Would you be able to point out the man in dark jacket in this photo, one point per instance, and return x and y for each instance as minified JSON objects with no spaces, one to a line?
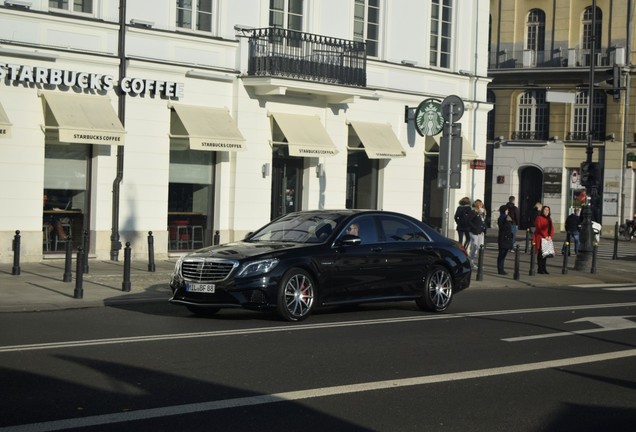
{"x":504,"y":239}
{"x":513,"y":213}
{"x":572,"y":225}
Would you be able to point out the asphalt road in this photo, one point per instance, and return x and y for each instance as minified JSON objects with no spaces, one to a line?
{"x":528,"y":359}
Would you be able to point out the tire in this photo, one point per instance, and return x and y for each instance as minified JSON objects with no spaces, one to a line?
{"x":295,"y":295}
{"x":202,"y":311}
{"x":438,"y":290}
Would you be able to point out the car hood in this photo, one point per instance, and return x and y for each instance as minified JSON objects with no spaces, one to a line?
{"x":243,"y":249}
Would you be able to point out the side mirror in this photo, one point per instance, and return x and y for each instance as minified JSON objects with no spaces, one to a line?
{"x":349,"y":240}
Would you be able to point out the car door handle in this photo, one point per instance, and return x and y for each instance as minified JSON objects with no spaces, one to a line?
{"x":376,"y":249}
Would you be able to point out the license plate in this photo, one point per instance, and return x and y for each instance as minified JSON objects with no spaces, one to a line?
{"x":198,"y":287}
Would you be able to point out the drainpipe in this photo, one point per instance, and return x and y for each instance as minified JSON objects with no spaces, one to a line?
{"x":115,"y":244}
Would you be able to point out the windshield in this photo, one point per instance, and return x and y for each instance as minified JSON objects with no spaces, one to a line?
{"x":299,"y":228}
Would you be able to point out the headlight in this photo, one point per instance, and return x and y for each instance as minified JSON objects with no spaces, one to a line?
{"x":257,"y":267}
{"x":177,"y":266}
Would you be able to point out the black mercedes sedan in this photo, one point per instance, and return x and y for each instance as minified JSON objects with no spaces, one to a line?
{"x":316,"y":258}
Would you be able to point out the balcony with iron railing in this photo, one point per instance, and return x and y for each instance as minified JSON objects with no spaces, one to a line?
{"x":572,"y":57}
{"x":278,"y":52}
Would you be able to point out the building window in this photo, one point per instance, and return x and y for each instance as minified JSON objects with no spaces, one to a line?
{"x":83,"y":6}
{"x":366,"y":24}
{"x":441,"y":27}
{"x":535,"y":38}
{"x":193,"y":15}
{"x":533,"y":116}
{"x":588,"y":31}
{"x":490,"y":122}
{"x":580,"y":118}
{"x":287,"y":14}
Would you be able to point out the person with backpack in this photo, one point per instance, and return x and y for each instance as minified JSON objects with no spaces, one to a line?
{"x":477,"y":229}
{"x":463,"y":214}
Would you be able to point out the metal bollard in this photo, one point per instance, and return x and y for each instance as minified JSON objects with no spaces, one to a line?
{"x":125,"y":285}
{"x":480,"y":263}
{"x":217,"y":237}
{"x":527,"y":239}
{"x":85,"y":243}
{"x":515,"y":275}
{"x":151,"y":252}
{"x":79,"y":274}
{"x":68,"y":258}
{"x":532,"y":260}
{"x":594,"y":253}
{"x":615,"y":254}
{"x":564,"y":269}
{"x":15,"y":270}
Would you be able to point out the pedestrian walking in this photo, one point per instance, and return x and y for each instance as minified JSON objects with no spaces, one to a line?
{"x":513,"y":212}
{"x":463,"y":214}
{"x":504,"y":238}
{"x":477,"y":230}
{"x":544,"y":229}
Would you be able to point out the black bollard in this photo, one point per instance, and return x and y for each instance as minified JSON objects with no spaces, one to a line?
{"x":217,"y":237}
{"x":515,"y":275}
{"x":527,"y":240}
{"x":480,"y":263}
{"x":68,"y":258}
{"x":15,"y":270}
{"x":79,"y":274}
{"x":564,"y":269}
{"x":594,"y":253}
{"x":151,"y":252}
{"x":125,"y":285}
{"x":532,"y":260}
{"x":615,"y":254}
{"x":85,"y":243}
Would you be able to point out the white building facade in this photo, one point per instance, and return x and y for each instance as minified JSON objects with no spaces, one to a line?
{"x":201,"y":121}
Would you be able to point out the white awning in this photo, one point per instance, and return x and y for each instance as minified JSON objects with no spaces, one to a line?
{"x":468,"y":154}
{"x":206,"y":128}
{"x":82,"y":119}
{"x":378,"y":140}
{"x":5,"y":124}
{"x":305,"y":135}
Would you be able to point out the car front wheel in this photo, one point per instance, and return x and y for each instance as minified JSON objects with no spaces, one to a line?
{"x":295,"y":295}
{"x":438,"y":290}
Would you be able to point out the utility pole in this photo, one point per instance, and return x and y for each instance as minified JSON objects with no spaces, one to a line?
{"x":586,"y":248}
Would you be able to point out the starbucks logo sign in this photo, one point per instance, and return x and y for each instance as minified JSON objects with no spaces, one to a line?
{"x":428,"y":117}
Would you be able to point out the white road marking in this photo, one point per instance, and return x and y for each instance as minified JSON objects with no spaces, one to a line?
{"x":301,"y":327}
{"x":153,"y":413}
{"x":606,"y":323}
{"x":603,"y":285}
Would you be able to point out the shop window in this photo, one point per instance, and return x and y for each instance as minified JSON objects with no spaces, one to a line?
{"x":190,"y":197}
{"x":65,"y":197}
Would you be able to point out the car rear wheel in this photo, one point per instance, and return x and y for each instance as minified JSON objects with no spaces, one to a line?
{"x":295,"y":295}
{"x":203,"y":311}
{"x":438,"y":290}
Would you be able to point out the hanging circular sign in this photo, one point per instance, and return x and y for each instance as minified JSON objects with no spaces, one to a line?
{"x":452,"y":106}
{"x":428,"y":117}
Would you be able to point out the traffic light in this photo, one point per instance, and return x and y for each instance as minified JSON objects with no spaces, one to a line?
{"x":614,"y":81}
{"x":590,"y":174}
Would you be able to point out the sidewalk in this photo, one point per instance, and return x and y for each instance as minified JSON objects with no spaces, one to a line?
{"x":40,"y":286}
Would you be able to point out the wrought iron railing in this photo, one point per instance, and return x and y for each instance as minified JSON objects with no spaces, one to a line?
{"x":573,"y":57}
{"x":582,"y":136}
{"x":530,"y":135}
{"x":280,"y":52}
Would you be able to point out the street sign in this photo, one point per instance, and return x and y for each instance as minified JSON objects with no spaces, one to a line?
{"x":452,"y":108}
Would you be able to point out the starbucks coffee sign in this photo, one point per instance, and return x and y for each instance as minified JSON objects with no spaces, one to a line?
{"x":428,"y":117}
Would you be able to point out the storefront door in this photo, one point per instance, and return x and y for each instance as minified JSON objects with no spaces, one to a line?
{"x":65,"y":197}
{"x":362,"y":181}
{"x":190,"y":198}
{"x":287,"y":175}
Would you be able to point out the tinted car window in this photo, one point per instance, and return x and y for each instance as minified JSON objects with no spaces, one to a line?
{"x":366,"y":229}
{"x":398,"y":229}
